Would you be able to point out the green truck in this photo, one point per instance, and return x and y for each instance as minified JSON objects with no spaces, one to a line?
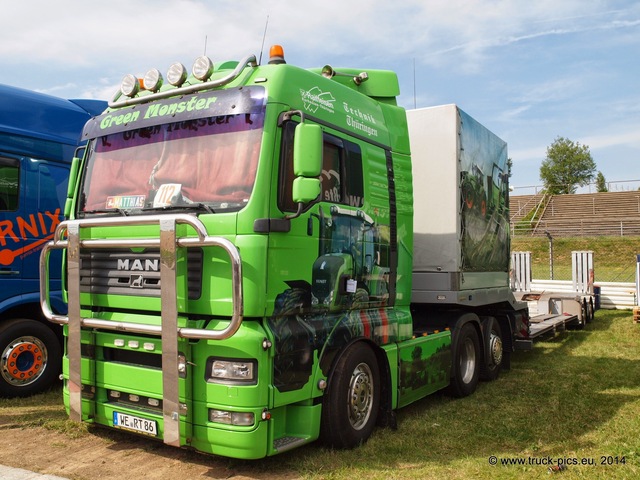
{"x":260,"y":256}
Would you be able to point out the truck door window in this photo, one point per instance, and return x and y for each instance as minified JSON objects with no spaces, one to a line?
{"x":9,"y":184}
{"x":341,"y":177}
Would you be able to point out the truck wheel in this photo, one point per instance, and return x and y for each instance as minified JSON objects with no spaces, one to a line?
{"x":350,"y":405}
{"x":590,"y":311}
{"x":466,"y":357}
{"x":30,"y":358}
{"x":494,"y":354}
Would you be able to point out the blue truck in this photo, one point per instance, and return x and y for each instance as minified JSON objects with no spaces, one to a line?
{"x":38,"y":137}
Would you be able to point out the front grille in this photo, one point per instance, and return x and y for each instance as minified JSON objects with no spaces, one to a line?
{"x":130,"y":357}
{"x":123,"y":272}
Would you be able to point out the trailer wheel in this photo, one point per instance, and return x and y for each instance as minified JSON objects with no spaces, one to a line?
{"x":30,"y":358}
{"x":466,"y":357}
{"x":590,"y":311}
{"x":350,"y":405}
{"x":584,"y":312}
{"x":494,"y":354}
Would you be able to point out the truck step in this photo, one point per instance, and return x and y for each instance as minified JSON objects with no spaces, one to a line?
{"x":287,"y":443}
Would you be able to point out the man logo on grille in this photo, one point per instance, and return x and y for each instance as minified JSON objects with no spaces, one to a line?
{"x":136,"y":281}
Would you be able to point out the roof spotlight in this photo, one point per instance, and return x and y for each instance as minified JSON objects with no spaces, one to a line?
{"x":202,"y":68}
{"x":177,"y":74}
{"x":153,"y":80}
{"x":130,"y":85}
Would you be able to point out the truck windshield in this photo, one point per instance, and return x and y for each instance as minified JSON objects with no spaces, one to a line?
{"x":205,"y":163}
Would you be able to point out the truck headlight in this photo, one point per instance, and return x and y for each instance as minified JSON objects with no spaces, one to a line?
{"x":231,"y":371}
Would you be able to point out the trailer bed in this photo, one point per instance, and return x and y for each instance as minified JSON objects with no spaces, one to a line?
{"x":550,"y":324}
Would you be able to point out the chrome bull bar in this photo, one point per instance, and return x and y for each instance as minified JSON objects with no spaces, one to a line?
{"x":167,"y":242}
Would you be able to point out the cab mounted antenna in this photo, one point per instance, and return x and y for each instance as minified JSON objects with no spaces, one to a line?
{"x":205,"y":46}
{"x":264,"y":35}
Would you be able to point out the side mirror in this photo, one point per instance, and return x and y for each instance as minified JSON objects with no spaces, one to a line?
{"x":307,"y":162}
{"x":305,"y":189}
{"x":307,"y":150}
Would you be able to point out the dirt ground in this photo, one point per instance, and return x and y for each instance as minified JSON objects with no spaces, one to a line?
{"x":104,"y":454}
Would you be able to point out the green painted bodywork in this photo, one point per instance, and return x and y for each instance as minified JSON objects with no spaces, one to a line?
{"x":304,"y":336}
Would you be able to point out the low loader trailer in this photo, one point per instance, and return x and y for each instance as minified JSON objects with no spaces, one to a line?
{"x":556,"y":311}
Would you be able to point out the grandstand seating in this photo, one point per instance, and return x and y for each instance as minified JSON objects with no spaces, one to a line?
{"x":584,"y":214}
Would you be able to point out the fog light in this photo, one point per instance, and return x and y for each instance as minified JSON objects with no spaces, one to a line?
{"x":241,"y":419}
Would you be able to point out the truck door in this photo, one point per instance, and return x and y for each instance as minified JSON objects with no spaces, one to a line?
{"x":322,"y":266}
{"x":45,"y":188}
{"x":11,"y":208}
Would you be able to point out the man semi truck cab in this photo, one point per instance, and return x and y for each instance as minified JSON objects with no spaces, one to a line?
{"x":239,"y":263}
{"x":38,"y":136}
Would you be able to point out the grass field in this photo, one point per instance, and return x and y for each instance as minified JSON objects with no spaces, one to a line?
{"x":614,"y":257}
{"x":574,"y":397}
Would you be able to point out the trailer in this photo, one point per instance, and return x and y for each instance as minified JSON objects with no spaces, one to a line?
{"x":553,"y":312}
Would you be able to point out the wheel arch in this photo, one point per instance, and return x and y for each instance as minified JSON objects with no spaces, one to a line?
{"x":32,"y":311}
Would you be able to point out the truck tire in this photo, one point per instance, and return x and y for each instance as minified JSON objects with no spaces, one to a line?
{"x":591,"y":311}
{"x":350,"y":404}
{"x":494,"y":354}
{"x":30,"y":358}
{"x":466,"y":360}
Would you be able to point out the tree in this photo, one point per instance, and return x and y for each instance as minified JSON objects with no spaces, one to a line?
{"x":567,"y":166}
{"x":601,"y":183}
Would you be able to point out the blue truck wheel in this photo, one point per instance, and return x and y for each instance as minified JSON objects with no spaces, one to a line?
{"x":30,"y":358}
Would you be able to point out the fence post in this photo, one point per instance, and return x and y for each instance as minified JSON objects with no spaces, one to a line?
{"x":582,"y":271}
{"x":546,"y":232}
{"x":637,"y":279}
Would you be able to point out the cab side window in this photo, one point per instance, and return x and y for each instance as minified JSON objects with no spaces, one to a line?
{"x":341,"y":178}
{"x":9,"y":184}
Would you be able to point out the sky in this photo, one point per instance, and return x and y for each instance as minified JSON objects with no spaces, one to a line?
{"x":531,"y":71}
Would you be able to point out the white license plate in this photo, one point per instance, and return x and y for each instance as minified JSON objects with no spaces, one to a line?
{"x":137,"y":424}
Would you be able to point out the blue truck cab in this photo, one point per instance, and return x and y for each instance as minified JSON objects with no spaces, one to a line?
{"x":38,"y":136}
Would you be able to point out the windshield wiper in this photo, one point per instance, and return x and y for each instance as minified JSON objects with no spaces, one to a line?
{"x":107,"y":210}
{"x":188,"y":206}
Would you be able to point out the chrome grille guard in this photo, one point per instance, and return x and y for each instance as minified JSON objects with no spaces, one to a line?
{"x":168,"y":242}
